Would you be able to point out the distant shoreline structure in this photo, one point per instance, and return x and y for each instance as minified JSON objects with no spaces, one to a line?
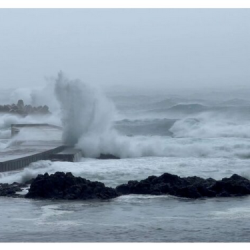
{"x":21,"y":109}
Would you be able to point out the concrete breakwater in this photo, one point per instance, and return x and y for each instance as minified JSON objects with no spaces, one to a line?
{"x":22,"y":162}
{"x":34,"y":142}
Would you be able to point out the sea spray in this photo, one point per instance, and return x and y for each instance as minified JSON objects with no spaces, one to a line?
{"x":88,"y":119}
{"x":45,"y":96}
{"x":211,"y":125}
{"x":85,"y":112}
{"x":34,"y":97}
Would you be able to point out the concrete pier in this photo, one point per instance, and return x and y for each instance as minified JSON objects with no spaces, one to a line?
{"x":30,"y":143}
{"x":22,"y":162}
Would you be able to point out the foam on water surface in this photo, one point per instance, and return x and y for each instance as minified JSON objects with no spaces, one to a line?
{"x":116,"y":172}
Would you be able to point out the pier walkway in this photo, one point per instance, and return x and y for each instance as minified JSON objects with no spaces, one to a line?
{"x":34,"y":142}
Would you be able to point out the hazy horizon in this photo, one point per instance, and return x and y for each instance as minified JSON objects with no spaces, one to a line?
{"x":138,"y":49}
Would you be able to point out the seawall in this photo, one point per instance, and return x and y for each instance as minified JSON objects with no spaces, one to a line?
{"x":23,"y":162}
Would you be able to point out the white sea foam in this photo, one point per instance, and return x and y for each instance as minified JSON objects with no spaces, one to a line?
{"x":86,"y":113}
{"x":88,"y":116}
{"x":211,"y":125}
{"x":116,"y":172}
{"x":232,"y":213}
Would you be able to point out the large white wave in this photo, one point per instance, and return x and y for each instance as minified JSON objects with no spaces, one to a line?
{"x":87,"y":119}
{"x":86,"y":113}
{"x":88,"y":116}
{"x":212,"y":125}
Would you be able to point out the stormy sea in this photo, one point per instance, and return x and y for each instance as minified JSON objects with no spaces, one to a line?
{"x":151,"y":134}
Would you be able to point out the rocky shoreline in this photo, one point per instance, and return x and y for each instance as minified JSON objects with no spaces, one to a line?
{"x":11,"y":190}
{"x":189,"y":187}
{"x":66,"y":186}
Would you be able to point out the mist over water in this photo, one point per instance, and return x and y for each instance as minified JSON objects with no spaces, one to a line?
{"x":89,"y":123}
{"x":130,"y":126}
{"x":88,"y":118}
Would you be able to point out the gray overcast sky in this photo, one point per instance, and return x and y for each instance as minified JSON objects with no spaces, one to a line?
{"x":135,"y":47}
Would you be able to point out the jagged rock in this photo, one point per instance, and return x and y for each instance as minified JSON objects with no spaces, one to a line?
{"x":234,"y":186}
{"x":107,"y":156}
{"x":67,"y":186}
{"x":10,"y":190}
{"x":28,"y":182}
{"x":190,"y":187}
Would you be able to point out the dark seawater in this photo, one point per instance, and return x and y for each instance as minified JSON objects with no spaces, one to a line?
{"x":131,"y":218}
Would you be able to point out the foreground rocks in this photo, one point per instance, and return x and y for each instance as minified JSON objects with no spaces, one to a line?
{"x":190,"y":187}
{"x":66,"y":186}
{"x":9,"y":190}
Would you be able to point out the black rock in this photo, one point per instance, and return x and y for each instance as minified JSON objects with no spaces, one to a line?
{"x":190,"y":187}
{"x":188,"y":192}
{"x":67,"y":186}
{"x":28,"y":182}
{"x":9,"y":190}
{"x":107,"y":156}
{"x":233,"y":186}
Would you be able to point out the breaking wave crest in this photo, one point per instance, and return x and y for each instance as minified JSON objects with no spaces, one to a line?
{"x":89,"y":121}
{"x":211,"y":125}
{"x":88,"y":124}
